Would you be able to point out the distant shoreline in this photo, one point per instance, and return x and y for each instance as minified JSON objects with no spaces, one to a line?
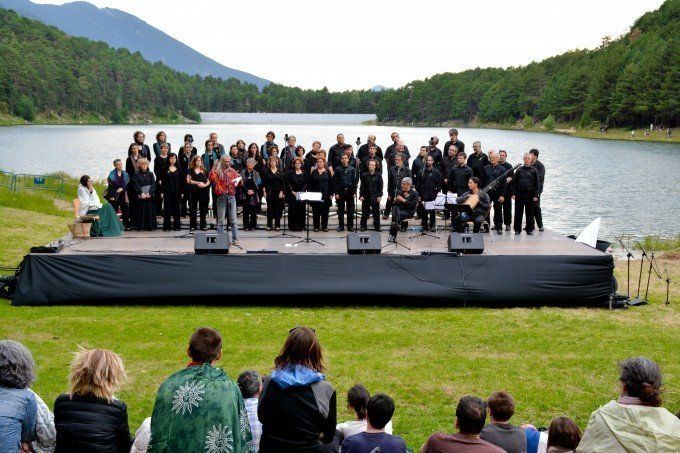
{"x":612,"y":133}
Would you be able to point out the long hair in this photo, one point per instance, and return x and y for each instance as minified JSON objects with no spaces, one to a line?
{"x":217,"y":166}
{"x":96,"y":372}
{"x":17,"y":368}
{"x":196,"y":161}
{"x":301,"y":348}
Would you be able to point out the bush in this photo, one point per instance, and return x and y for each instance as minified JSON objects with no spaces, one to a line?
{"x":549,"y":122}
{"x":192,"y":113}
{"x":26,"y":108}
{"x":120,"y":116}
{"x":528,"y":122}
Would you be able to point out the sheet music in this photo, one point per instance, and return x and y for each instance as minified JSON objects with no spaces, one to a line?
{"x":236,"y":181}
{"x":442,"y":200}
{"x":309,"y":196}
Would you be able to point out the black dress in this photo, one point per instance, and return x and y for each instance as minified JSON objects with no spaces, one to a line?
{"x":183,"y":161}
{"x":171,"y":197}
{"x":296,"y":209}
{"x":160,"y":166}
{"x":145,"y":207}
{"x":198,"y":199}
{"x":321,"y":182}
{"x":251,"y":203}
{"x":274,"y":184}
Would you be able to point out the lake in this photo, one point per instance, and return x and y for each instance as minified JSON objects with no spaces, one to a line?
{"x":633,"y":186}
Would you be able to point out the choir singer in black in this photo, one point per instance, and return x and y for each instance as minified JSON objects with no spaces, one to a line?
{"x":345,"y":179}
{"x":370,"y":195}
{"x":492,"y":172}
{"x":525,"y":188}
{"x":405,"y":203}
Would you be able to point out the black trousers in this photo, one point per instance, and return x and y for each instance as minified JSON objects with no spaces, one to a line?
{"x":345,"y":206}
{"x":119,"y":203}
{"x":398,"y":217}
{"x":198,"y":203}
{"x":524,"y":204}
{"x":369,"y":208}
{"x":184,"y":201}
{"x":296,"y":215}
{"x":538,"y":214}
{"x":320,"y":215}
{"x":250,"y":214}
{"x":427,"y":216}
{"x":507,"y":210}
{"x":171,"y":205}
{"x":388,"y":206}
{"x":275,"y":206}
{"x":497,"y":211}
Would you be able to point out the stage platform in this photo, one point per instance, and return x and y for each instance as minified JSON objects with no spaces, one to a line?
{"x":161,"y":268}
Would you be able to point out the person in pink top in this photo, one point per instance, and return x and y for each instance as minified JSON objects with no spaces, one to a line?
{"x":225,"y":179}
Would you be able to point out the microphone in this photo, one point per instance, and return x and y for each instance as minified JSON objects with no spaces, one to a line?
{"x":358,"y":141}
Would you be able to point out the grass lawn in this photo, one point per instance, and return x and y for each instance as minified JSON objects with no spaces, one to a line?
{"x":554,"y":361}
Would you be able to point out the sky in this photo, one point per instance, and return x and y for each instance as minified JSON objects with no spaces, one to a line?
{"x":358,"y":44}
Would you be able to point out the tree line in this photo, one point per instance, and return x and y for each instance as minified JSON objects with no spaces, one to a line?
{"x":630,"y":81}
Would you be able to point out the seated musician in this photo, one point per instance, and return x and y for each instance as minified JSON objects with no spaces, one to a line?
{"x":404,"y":207}
{"x":479,"y":210}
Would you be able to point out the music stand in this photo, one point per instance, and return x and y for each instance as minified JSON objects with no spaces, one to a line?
{"x":307,"y":197}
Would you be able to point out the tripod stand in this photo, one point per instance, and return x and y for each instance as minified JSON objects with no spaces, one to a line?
{"x":307,"y":239}
{"x":629,"y":255}
{"x":283,"y":233}
{"x":638,"y":300}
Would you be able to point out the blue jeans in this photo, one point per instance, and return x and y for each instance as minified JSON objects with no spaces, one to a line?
{"x":224,"y":201}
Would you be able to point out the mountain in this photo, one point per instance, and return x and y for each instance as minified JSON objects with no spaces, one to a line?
{"x":44,"y":71}
{"x":633,"y":80}
{"x":120,"y":29}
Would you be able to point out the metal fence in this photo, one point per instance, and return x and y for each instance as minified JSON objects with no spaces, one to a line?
{"x":25,"y":181}
{"x":7,"y":179}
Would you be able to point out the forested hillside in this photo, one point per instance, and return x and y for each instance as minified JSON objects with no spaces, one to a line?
{"x":632,"y":81}
{"x":44,"y":70}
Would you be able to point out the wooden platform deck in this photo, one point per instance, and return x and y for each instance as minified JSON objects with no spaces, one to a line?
{"x":160,"y":242}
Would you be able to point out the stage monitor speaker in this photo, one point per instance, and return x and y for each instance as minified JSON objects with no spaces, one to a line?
{"x":364,"y":243}
{"x":466,"y":242}
{"x":213,"y":243}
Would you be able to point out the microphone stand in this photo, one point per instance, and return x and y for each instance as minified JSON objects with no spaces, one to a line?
{"x":637,"y":300}
{"x":357,"y":167}
{"x":629,"y":255}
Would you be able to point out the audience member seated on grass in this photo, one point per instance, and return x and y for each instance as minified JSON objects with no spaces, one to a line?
{"x":90,"y":417}
{"x":563,"y":435}
{"x":470,"y":418}
{"x":537,"y":441}
{"x":199,"y":408}
{"x":500,"y":432}
{"x":636,"y":421}
{"x":18,"y":406}
{"x":108,"y":224}
{"x":297,"y":407}
{"x":357,"y":399}
{"x":379,"y":411}
{"x":250,"y":383}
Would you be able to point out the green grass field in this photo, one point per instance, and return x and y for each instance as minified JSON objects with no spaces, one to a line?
{"x":554,"y":361}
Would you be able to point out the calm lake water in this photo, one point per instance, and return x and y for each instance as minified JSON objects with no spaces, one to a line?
{"x":633,"y":186}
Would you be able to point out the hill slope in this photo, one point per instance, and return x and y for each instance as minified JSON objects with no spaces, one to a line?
{"x":122,"y":30}
{"x":44,"y":70}
{"x":632,"y":81}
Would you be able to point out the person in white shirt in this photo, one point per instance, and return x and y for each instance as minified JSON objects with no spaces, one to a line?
{"x":357,"y":399}
{"x":108,"y":223}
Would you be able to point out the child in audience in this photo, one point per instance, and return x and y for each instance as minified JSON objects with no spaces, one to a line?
{"x":379,"y":411}
{"x":564,"y":435}
{"x":357,"y":399}
{"x":250,"y":384}
{"x":499,"y":431}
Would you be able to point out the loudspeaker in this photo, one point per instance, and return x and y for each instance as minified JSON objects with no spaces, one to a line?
{"x":364,"y":243}
{"x":466,"y":242}
{"x":211,"y":243}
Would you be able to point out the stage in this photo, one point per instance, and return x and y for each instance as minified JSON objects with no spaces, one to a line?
{"x":161,"y":268}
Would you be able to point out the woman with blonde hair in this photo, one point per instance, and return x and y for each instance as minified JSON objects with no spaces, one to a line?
{"x":90,"y":417}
